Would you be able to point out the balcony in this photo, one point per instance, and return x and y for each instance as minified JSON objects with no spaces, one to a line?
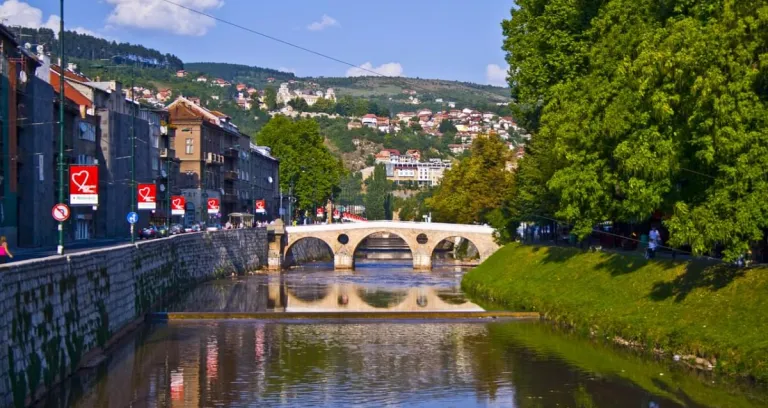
{"x":232,"y":152}
{"x":230,"y":175}
{"x":229,"y":196}
{"x":166,"y":153}
{"x":213,"y":158}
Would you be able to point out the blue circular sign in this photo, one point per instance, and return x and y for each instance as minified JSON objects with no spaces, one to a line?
{"x":132,"y":217}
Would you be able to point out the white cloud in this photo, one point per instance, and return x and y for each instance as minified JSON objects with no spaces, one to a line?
{"x":325,"y":22}
{"x":388,"y":69}
{"x":18,"y":13}
{"x":159,"y":15}
{"x":496,"y":75}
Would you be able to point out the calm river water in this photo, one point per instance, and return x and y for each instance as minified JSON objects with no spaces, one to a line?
{"x":378,"y":363}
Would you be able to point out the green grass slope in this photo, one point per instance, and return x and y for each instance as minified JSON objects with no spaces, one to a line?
{"x":686,"y":308}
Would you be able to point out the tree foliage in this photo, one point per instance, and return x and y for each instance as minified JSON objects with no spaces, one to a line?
{"x":305,"y":163}
{"x":377,"y":195}
{"x":474,"y":189}
{"x":645,"y":106}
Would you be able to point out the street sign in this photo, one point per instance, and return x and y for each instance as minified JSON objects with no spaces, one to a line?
{"x":147,"y":196}
{"x":177,"y":205}
{"x":132,"y":218}
{"x":60,"y":212}
{"x":84,"y":185}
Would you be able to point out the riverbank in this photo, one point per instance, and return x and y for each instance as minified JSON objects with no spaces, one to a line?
{"x":685,"y":308}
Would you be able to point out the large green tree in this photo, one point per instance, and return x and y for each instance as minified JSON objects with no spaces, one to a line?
{"x":305,"y":162}
{"x":645,"y":106}
{"x":377,"y":195}
{"x":475,"y":188}
{"x":270,"y":98}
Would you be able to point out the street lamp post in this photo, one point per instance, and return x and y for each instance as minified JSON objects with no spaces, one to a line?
{"x":62,"y":100}
{"x":133,"y":158}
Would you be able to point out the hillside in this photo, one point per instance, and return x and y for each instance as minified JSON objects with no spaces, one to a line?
{"x":393,"y":92}
{"x":83,"y":46}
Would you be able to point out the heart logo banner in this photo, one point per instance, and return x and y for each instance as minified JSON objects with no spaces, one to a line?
{"x":213,"y":206}
{"x":146,"y":196}
{"x":84,"y":185}
{"x":177,"y":205}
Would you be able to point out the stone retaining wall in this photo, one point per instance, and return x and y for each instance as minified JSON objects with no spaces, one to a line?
{"x":56,"y":310}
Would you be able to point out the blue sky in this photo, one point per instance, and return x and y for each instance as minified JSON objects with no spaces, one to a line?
{"x":456,"y":40}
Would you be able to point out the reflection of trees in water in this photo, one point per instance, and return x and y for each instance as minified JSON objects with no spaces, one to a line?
{"x":382,"y":298}
{"x":452,"y":296}
{"x":246,"y":295}
{"x":308,"y":292}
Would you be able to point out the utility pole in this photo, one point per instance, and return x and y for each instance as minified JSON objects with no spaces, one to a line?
{"x":168,"y":193}
{"x":290,"y":198}
{"x":133,"y":157}
{"x":62,"y":101}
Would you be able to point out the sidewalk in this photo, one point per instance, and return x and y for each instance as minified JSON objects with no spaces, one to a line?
{"x":23,"y":254}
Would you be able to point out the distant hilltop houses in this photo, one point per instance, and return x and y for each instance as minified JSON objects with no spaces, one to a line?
{"x":466,"y":123}
{"x":285,"y":95}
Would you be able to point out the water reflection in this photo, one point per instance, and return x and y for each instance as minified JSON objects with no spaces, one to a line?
{"x":253,"y":363}
{"x":320,"y":290}
{"x":237,"y":363}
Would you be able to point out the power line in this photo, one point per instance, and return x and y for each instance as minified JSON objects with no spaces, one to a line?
{"x":290,"y":44}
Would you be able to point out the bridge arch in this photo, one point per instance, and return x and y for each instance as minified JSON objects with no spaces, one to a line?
{"x":308,"y":249}
{"x":358,"y":239}
{"x":421,"y":238}
{"x":458,"y":244}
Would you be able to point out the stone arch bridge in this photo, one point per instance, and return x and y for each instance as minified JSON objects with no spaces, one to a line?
{"x":421,"y":238}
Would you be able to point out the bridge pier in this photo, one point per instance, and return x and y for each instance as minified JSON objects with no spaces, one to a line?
{"x":275,"y":234}
{"x":422,"y":261}
{"x":343,"y":261}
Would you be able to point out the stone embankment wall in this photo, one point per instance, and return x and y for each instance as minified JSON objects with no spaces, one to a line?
{"x":57,"y":311}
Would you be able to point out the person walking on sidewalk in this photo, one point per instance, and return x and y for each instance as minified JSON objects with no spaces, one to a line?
{"x":5,"y":253}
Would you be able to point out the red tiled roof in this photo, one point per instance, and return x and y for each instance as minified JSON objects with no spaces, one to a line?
{"x":69,"y":91}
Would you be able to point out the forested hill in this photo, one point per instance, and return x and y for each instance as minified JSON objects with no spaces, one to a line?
{"x":87,"y":47}
{"x":394,"y":91}
{"x":255,"y":76}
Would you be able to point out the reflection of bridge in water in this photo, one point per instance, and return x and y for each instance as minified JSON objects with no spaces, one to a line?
{"x":256,"y":294}
{"x":354,"y":298}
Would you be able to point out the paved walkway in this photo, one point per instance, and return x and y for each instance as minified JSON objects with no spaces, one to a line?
{"x":22,"y":254}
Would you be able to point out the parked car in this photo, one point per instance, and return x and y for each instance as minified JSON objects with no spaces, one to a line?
{"x":215,"y":227}
{"x":192,"y":228}
{"x":162,"y":231}
{"x":148,"y":232}
{"x":176,"y":229}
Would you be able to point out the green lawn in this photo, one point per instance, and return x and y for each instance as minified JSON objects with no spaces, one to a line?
{"x":705,"y":309}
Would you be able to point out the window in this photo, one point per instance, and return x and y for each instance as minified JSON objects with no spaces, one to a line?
{"x":189,"y":146}
{"x":155,"y":164}
{"x":87,"y":131}
{"x":84,"y":159}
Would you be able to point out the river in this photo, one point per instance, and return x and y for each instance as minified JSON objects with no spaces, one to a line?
{"x":418,"y":362}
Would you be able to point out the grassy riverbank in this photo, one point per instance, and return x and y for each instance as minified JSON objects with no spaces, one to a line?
{"x":685,"y":308}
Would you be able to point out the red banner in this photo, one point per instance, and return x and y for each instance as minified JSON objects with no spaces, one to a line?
{"x":260,"y":206}
{"x":320,"y":212}
{"x":146,"y":196}
{"x":336,"y":214}
{"x":213,"y":206}
{"x":177,"y":205}
{"x":84,"y":185}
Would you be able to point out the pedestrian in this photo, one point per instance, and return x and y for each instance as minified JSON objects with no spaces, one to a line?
{"x":654,"y":240}
{"x":5,"y":253}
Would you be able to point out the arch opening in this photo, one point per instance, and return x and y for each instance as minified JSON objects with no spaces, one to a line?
{"x":308,"y":250}
{"x":455,"y":250}
{"x":382,"y":247}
